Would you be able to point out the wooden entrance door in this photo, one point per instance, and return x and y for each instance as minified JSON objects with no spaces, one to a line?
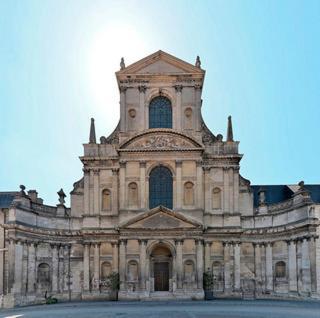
{"x":161,"y":276}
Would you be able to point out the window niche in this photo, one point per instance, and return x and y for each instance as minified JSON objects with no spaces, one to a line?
{"x":188,"y":118}
{"x":106,"y":200}
{"x":188,"y":193}
{"x":133,"y":194}
{"x":105,"y":270}
{"x":216,"y":199}
{"x":44,"y":280}
{"x":280,"y":270}
{"x":133,"y":274}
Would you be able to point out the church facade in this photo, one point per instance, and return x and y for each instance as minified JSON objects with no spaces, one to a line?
{"x":161,"y":202}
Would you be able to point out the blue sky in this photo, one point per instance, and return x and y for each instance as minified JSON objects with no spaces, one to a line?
{"x":57,"y":64}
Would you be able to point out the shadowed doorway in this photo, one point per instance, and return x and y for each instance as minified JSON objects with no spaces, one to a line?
{"x":162,"y":267}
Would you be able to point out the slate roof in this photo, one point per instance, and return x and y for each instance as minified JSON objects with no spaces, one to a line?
{"x":279,"y":193}
{"x":6,"y":198}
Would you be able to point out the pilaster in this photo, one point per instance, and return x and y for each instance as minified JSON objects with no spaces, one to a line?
{"x":199,"y":251}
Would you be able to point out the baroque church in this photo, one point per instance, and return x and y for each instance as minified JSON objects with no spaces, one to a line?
{"x":161,"y":202}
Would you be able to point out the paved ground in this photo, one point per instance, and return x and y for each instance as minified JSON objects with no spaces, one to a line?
{"x":191,"y":309}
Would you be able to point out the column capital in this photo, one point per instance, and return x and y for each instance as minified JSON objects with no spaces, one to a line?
{"x":236,"y":243}
{"x":178,"y":163}
{"x":86,"y":170}
{"x":96,"y":171}
{"x":178,"y":88}
{"x":199,"y":163}
{"x":206,"y":169}
{"x":122,"y":163}
{"x":115,"y":171}
{"x":197,"y":87}
{"x":114,"y":244}
{"x":142,"y":88}
{"x":123,"y":242}
{"x":178,"y":241}
{"x":142,"y":242}
{"x":123,"y":88}
{"x":199,"y":241}
{"x":142,"y":163}
{"x":207,"y":243}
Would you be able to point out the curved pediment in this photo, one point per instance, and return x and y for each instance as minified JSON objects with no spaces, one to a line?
{"x":161,"y":140}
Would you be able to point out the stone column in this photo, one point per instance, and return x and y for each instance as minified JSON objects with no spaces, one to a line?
{"x":66,"y":266}
{"x":197,"y":114}
{"x":142,"y":90}
{"x":96,"y":190}
{"x":269,"y":272}
{"x":18,"y":257}
{"x":236,"y":189}
{"x":199,"y":251}
{"x":226,"y":256}
{"x":231,"y":190}
{"x":292,"y":266}
{"x":207,"y":256}
{"x":142,"y":184}
{"x":122,"y":188}
{"x":179,"y":266}
{"x":122,"y":264}
{"x":226,"y":207}
{"x":91,"y":196}
{"x":55,"y":267}
{"x":236,"y":267}
{"x":115,"y":257}
{"x":61,"y":272}
{"x":317,"y":263}
{"x":115,"y":189}
{"x":143,"y":256}
{"x":86,"y":267}
{"x":178,"y":116}
{"x":199,"y":186}
{"x":305,"y":265}
{"x":207,"y":195}
{"x":179,"y":184}
{"x":123,"y":111}
{"x":31,"y":267}
{"x":96,"y":266}
{"x":11,"y":256}
{"x":257,"y":266}
{"x":86,"y":194}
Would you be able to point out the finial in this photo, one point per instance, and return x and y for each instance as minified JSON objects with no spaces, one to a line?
{"x":61,"y":195}
{"x":229,"y":132}
{"x":198,"y":62}
{"x":92,"y":137}
{"x":122,"y":65}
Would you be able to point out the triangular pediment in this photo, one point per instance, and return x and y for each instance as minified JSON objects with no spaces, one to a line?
{"x":160,"y":139}
{"x":161,"y":63}
{"x":161,"y":218}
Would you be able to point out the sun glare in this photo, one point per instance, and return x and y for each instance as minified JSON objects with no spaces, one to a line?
{"x":108,"y":46}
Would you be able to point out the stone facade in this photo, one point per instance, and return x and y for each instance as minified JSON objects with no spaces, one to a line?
{"x":259,"y":240}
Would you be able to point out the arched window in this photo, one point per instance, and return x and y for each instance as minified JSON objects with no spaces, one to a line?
{"x":188,"y":193}
{"x":105,"y":270}
{"x":133,"y":194}
{"x":280,"y":269}
{"x":160,"y":187}
{"x":106,"y":200}
{"x":160,"y":113}
{"x":216,"y":199}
